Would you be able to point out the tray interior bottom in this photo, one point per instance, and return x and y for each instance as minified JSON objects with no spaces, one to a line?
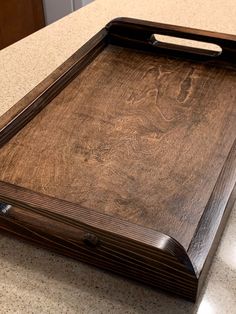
{"x":136,"y":135}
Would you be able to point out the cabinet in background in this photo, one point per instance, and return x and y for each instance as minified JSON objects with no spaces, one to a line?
{"x":19,"y":18}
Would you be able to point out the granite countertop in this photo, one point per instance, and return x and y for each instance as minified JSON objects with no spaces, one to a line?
{"x":33,"y":280}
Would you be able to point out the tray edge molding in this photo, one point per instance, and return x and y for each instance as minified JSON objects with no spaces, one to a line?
{"x":161,"y":261}
{"x":218,"y":205}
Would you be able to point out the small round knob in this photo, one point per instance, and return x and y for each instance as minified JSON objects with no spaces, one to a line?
{"x":90,"y":240}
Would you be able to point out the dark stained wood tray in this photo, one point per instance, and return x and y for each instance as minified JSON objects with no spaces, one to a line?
{"x":124,"y":157}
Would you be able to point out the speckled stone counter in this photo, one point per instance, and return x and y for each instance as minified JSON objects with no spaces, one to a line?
{"x":33,"y":280}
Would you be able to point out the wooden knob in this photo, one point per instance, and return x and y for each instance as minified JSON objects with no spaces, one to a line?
{"x":91,"y":240}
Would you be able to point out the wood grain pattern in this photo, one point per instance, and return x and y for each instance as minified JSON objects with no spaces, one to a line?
{"x":24,"y":110}
{"x":138,"y":149}
{"x":156,"y":270}
{"x":130,"y":151}
{"x":216,"y":209}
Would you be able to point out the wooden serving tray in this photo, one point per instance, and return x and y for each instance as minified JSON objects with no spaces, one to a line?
{"x":124,"y":157}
